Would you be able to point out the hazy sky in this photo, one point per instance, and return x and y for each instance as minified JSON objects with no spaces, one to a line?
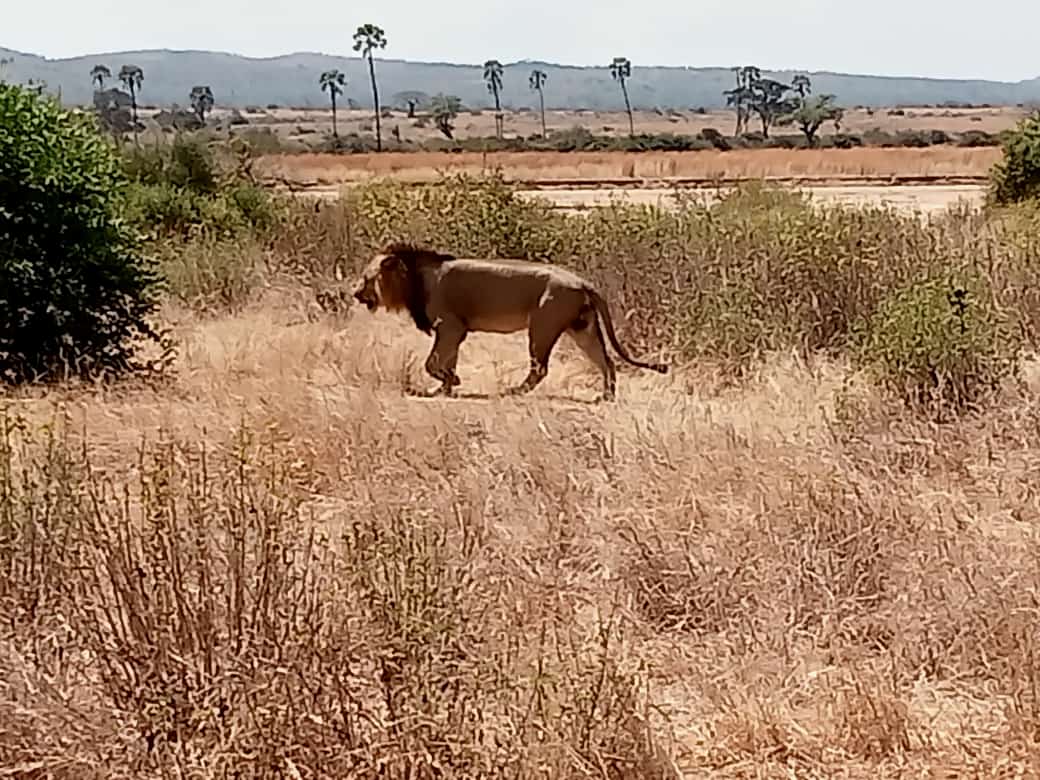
{"x":948,"y":38}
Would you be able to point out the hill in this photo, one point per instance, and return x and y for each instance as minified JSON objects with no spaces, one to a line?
{"x":292,"y":80}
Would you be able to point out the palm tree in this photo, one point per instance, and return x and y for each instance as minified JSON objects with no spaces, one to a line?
{"x":367,"y":39}
{"x":620,"y":71}
{"x":493,"y":77}
{"x":332,"y":81}
{"x":132,"y":77}
{"x":98,"y":74}
{"x":538,"y":79}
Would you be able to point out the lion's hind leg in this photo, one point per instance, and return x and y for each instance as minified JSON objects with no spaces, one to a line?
{"x":586,"y":333}
{"x":542,"y":337}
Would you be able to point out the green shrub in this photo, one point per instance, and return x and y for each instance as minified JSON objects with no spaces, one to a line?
{"x":183,"y":188}
{"x":75,"y":290}
{"x":1016,"y":177}
{"x":187,"y":163}
{"x":939,"y":341}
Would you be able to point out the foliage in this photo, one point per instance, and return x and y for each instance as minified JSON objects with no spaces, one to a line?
{"x":201,"y":99}
{"x":939,"y":341}
{"x":444,"y":109}
{"x":75,"y":290}
{"x":181,"y":188}
{"x":811,"y":113}
{"x":1016,"y":177}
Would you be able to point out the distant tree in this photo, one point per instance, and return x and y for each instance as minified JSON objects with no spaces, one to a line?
{"x":367,"y":39}
{"x":4,"y":62}
{"x":201,"y":99}
{"x":444,"y":109}
{"x":98,"y":74}
{"x":333,"y":82}
{"x":802,"y":85}
{"x":132,"y":77}
{"x":537,"y":81}
{"x":770,"y":101}
{"x":742,"y":96}
{"x":493,"y":77}
{"x":620,"y":71}
{"x":410,"y":100}
{"x":810,"y":115}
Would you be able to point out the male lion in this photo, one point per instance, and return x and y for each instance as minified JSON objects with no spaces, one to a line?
{"x":452,"y":296}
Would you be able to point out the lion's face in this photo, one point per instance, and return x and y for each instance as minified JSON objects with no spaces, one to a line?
{"x":368,"y":290}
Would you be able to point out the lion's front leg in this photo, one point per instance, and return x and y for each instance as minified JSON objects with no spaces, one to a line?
{"x":444,"y":355}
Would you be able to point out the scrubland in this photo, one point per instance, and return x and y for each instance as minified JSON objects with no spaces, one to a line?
{"x":812,"y":164}
{"x":808,"y":551}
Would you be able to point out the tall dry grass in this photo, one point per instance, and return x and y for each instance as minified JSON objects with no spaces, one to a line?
{"x":329,"y":169}
{"x":279,"y":565}
{"x":276,"y":563}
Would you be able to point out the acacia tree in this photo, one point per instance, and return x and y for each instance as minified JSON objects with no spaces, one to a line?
{"x":620,"y":71}
{"x":367,"y":39}
{"x":493,"y":77}
{"x":444,"y":109}
{"x":132,"y":77}
{"x":201,"y":99}
{"x":333,"y":82}
{"x":537,"y":81}
{"x":810,"y":115}
{"x":98,"y":74}
{"x":770,"y":101}
{"x":802,"y":85}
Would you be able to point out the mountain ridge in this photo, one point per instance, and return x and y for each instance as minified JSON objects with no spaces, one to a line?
{"x":291,"y":79}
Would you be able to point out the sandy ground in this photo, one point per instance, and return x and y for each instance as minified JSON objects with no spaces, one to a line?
{"x":303,"y":124}
{"x":927,"y":199}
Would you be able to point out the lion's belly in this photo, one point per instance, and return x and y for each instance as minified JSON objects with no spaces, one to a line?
{"x":498,"y":322}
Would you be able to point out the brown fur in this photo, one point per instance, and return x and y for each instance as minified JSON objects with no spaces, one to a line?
{"x":450,"y":296}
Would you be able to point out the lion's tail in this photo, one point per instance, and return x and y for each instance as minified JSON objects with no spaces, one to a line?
{"x":604,"y":312}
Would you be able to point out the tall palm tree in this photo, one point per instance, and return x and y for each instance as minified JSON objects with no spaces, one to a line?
{"x":332,"y":81}
{"x":620,"y":71}
{"x":537,"y":81}
{"x":98,"y":74}
{"x":367,"y":39}
{"x":493,"y":77}
{"x":132,"y":77}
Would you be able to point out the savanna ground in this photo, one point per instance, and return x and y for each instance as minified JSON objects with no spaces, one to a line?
{"x":808,"y":551}
{"x":300,"y":126}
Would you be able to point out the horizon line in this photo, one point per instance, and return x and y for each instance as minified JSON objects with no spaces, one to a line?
{"x":514,"y":63}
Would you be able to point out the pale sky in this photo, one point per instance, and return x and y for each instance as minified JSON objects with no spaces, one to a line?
{"x":936,"y":38}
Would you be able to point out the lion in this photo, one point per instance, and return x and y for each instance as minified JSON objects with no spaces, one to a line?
{"x":449,"y":297}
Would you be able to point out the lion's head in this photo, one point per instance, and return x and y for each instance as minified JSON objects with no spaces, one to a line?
{"x":393,"y":280}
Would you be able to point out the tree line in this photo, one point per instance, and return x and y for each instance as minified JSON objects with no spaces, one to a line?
{"x":772,"y":102}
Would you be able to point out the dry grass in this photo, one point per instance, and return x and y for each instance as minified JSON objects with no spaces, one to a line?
{"x":743,"y":582}
{"x":542,"y":166}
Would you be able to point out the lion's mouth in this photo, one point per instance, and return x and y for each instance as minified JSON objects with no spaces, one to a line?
{"x":369,"y":300}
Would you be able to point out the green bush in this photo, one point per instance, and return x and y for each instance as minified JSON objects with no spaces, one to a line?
{"x":940,"y":341}
{"x":183,"y":188}
{"x":1016,"y":177}
{"x":75,"y":290}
